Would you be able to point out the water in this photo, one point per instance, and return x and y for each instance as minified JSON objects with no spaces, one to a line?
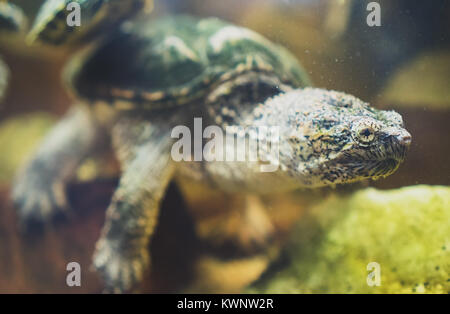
{"x":397,"y":58}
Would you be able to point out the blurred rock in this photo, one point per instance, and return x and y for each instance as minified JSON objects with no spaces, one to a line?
{"x":405,"y":231}
{"x":422,"y":82}
{"x":223,"y":267}
{"x":214,"y":275}
{"x":19,"y":137}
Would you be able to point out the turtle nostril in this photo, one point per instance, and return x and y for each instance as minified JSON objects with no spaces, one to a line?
{"x":404,"y":138}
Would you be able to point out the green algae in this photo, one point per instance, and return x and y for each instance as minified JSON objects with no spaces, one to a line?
{"x":405,"y":231}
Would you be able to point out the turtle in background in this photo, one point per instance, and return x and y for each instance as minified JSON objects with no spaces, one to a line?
{"x":12,"y":22}
{"x":99,"y":18}
{"x":145,"y":86}
{"x":12,"y":18}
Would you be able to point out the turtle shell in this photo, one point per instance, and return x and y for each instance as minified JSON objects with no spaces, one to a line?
{"x":12,"y":18}
{"x":176,"y":60}
{"x":97,"y":17}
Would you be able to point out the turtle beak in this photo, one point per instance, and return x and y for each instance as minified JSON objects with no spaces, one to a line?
{"x":401,"y":141}
{"x":403,"y":138}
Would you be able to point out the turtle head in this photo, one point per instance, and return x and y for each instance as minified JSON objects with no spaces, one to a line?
{"x":375,"y":148}
{"x":332,"y":137}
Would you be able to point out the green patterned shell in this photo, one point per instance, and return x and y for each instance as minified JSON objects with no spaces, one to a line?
{"x":176,"y":60}
{"x":12,"y":18}
{"x":97,"y":17}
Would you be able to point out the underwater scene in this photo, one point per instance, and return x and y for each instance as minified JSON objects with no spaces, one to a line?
{"x":225,"y":147}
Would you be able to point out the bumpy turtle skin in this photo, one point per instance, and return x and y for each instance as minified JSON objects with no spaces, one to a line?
{"x":174,"y":61}
{"x":143,"y":147}
{"x":325,"y":137}
{"x":98,"y":17}
{"x":321,"y":140}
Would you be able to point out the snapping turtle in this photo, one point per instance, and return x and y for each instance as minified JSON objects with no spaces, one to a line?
{"x":12,"y":20}
{"x":97,"y":18}
{"x":155,"y":78}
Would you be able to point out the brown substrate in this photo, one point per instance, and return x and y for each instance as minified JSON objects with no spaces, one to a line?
{"x":36,"y":263}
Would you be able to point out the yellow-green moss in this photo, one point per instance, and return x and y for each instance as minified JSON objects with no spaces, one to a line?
{"x":406,"y":231}
{"x":18,"y":139}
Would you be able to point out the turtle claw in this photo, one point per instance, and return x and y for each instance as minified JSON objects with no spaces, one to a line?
{"x":120,"y":273}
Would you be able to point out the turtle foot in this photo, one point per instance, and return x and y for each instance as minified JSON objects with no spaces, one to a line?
{"x":120,"y":272}
{"x":38,"y":200}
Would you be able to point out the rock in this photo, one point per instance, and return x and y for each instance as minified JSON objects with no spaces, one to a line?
{"x":19,"y":136}
{"x":422,"y":82}
{"x":405,"y":231}
{"x":215,"y":275}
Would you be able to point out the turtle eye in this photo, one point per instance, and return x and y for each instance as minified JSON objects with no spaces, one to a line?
{"x":365,"y":133}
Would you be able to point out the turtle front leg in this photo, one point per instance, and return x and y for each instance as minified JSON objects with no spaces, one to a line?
{"x":122,"y":252}
{"x":38,"y":190}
